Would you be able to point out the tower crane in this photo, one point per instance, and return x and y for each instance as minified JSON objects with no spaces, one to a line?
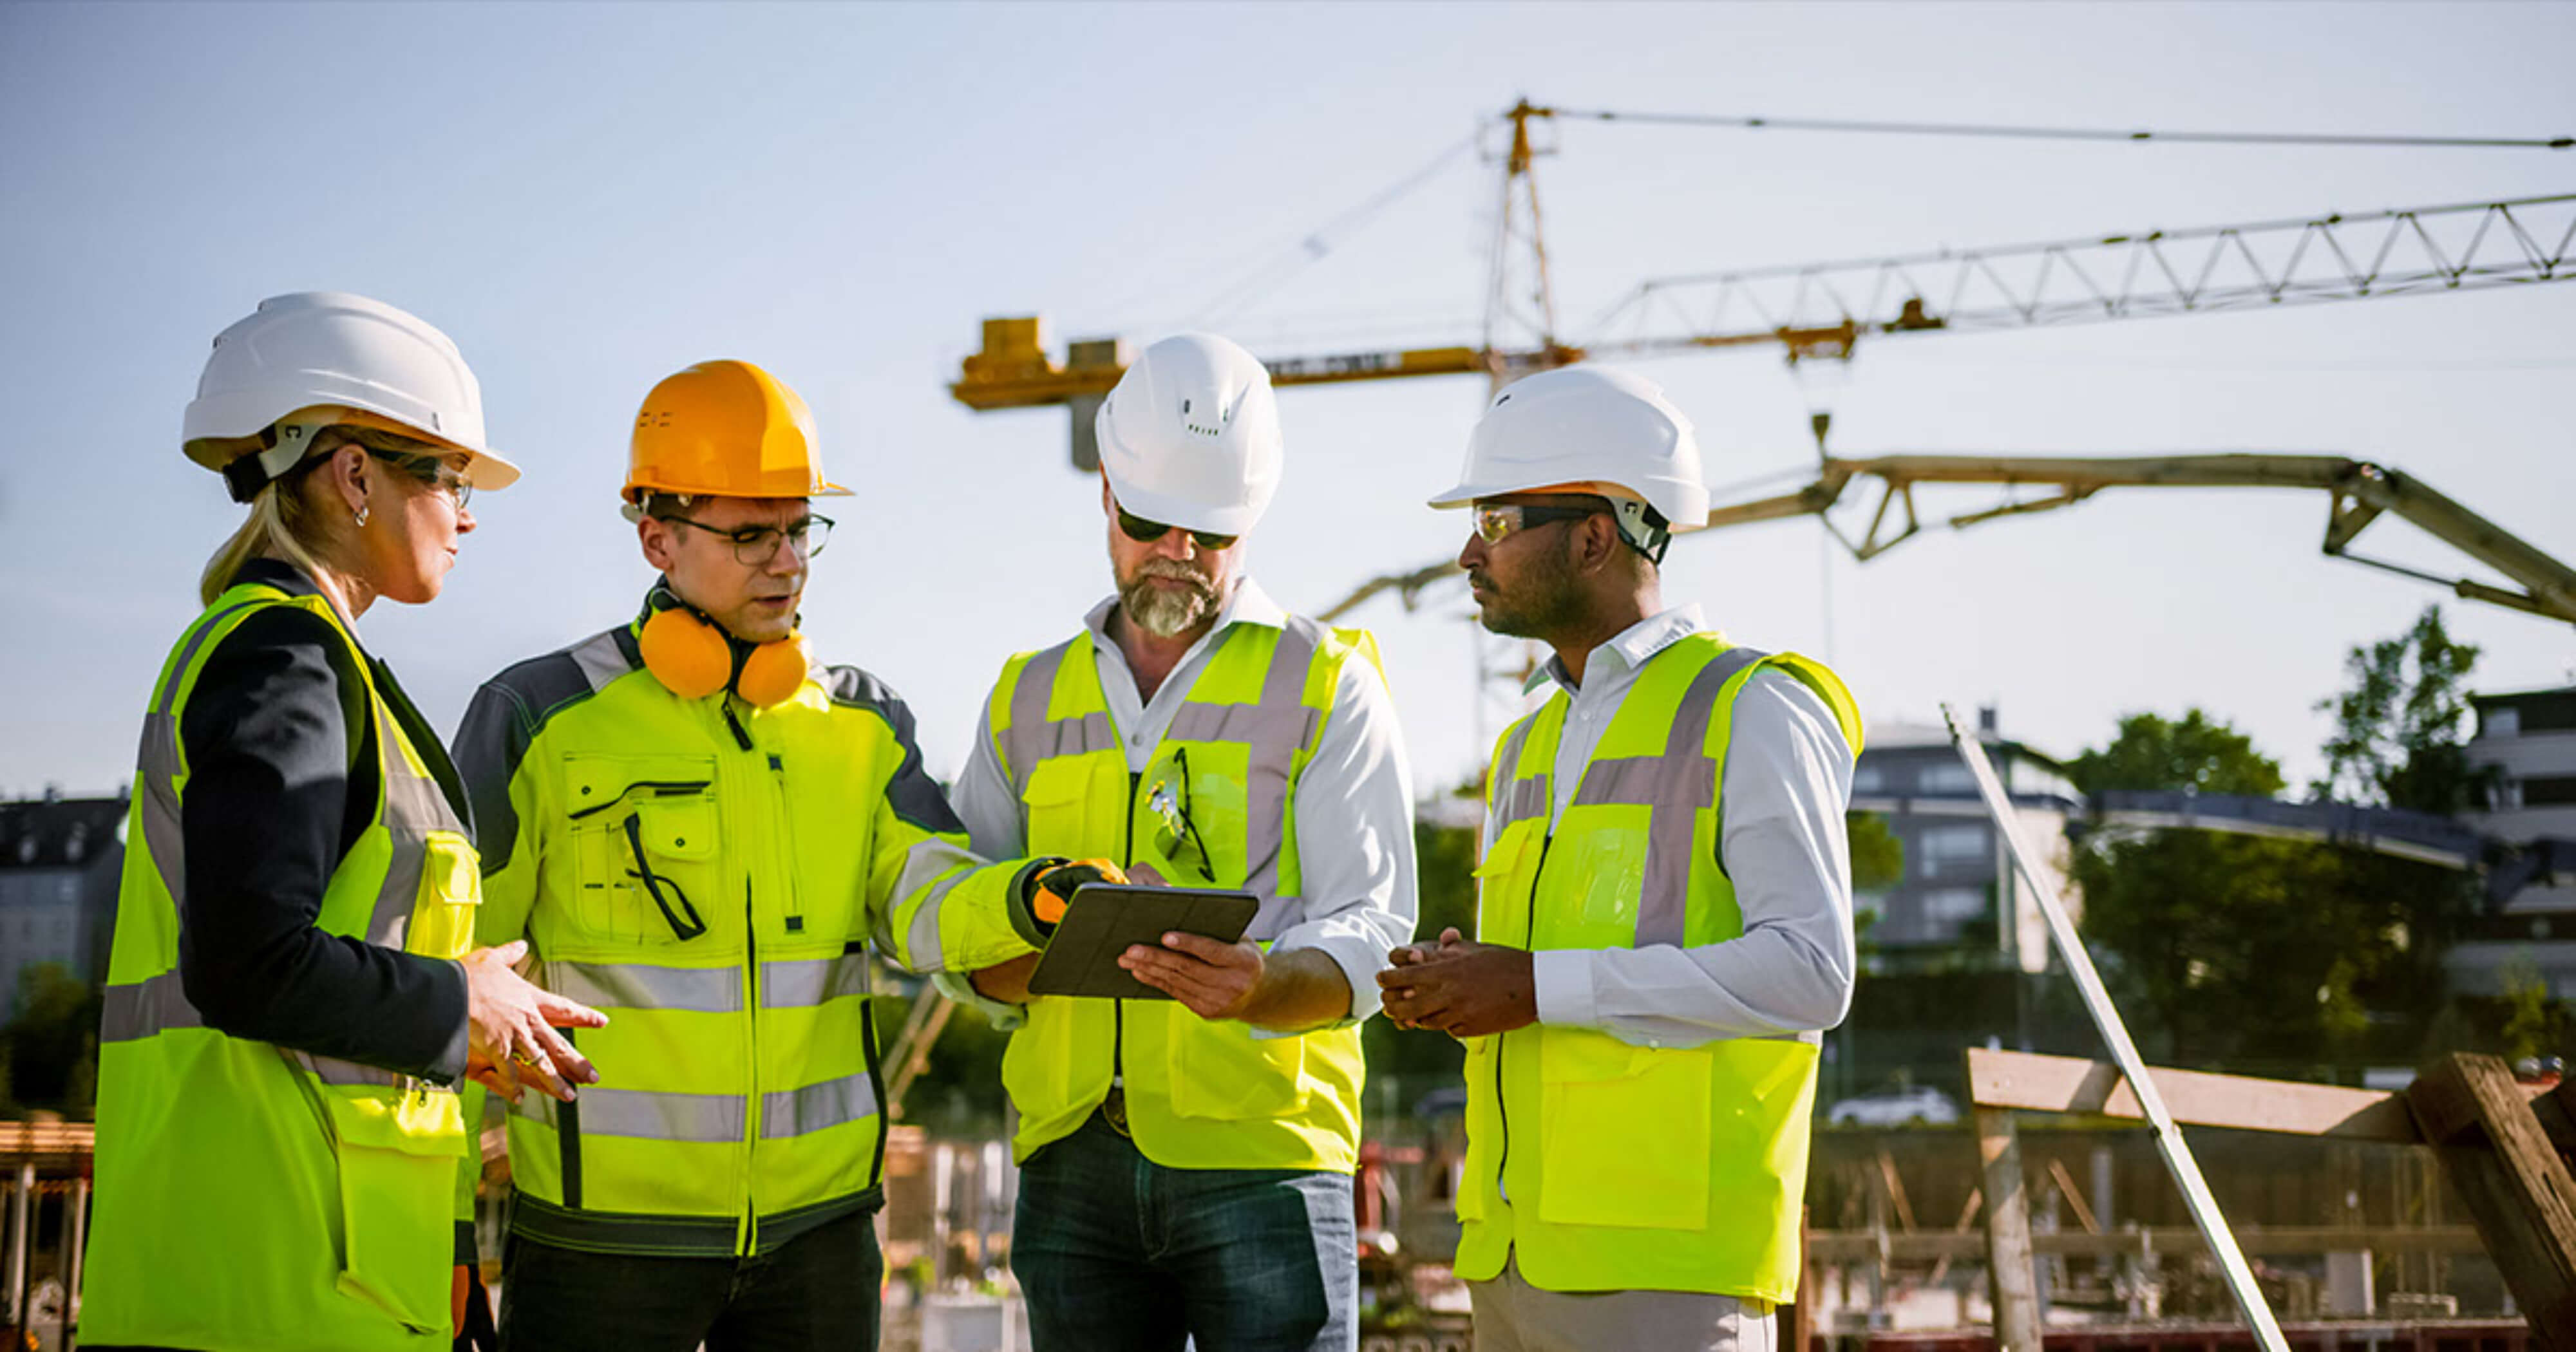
{"x":1828,"y":310}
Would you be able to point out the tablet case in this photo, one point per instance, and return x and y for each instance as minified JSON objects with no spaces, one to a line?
{"x":1105,"y":919}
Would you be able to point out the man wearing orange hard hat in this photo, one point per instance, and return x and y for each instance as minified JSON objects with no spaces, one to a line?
{"x":699,"y":828}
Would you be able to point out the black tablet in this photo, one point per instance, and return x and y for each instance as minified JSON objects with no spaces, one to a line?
{"x":1105,"y":919}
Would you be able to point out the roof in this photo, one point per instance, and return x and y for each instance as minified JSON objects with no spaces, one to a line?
{"x":58,"y":833}
{"x":1922,"y":736}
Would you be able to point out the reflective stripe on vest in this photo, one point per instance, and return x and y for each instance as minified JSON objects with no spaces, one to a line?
{"x":740,"y":1104}
{"x":1592,"y":1163}
{"x":337,"y":1179}
{"x":1199,"y":1094}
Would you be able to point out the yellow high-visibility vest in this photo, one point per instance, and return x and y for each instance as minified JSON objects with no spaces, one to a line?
{"x":710,"y":875}
{"x":250,"y":1196}
{"x":1200,"y":1094}
{"x":1596,"y":1164}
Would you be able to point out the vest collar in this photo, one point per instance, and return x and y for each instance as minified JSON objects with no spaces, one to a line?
{"x":1629,"y":649}
{"x":278,"y":573}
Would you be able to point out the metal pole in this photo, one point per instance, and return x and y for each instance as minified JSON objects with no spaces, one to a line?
{"x":2169,"y":1141}
{"x":79,"y":1222}
{"x":22,"y":1219}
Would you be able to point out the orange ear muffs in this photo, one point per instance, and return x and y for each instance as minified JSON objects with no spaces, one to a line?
{"x":686,"y":654}
{"x":774,"y":671}
{"x":693,"y":658}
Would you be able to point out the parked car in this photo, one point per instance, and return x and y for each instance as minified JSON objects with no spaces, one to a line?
{"x":1919,"y":1105}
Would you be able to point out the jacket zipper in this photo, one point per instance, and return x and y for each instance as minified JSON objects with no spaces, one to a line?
{"x":747,"y":1232}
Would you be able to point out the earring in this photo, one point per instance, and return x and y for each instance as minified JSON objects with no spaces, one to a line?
{"x":361,"y":515}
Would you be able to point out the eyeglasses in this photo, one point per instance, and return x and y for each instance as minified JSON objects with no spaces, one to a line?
{"x":1143,"y":531}
{"x":446,"y":477}
{"x":1170,"y":801}
{"x":754,"y":546}
{"x":1496,"y":520}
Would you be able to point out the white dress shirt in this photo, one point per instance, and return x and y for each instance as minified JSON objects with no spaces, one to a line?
{"x":1783,"y":792}
{"x":1354,"y":800}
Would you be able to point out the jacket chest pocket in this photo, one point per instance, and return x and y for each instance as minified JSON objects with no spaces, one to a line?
{"x":647,"y":847}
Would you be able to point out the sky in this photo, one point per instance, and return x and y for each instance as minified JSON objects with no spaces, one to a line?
{"x":589,"y":197}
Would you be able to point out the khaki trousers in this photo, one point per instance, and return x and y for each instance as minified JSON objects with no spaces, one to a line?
{"x":1514,"y":1316}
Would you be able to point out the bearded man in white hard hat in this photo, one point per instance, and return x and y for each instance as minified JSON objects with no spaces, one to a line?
{"x":1186,"y":1162}
{"x":1664,"y":923}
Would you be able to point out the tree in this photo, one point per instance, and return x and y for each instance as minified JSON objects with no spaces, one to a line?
{"x":54,"y":1036}
{"x":2400,"y":737}
{"x":2254,"y":953}
{"x":2532,"y":1020}
{"x":1877,"y":855}
{"x":2197,"y":752}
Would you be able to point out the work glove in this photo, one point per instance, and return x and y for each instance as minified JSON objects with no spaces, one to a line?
{"x":1046,"y":887}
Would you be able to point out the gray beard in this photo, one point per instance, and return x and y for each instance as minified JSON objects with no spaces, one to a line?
{"x":1167,"y":613}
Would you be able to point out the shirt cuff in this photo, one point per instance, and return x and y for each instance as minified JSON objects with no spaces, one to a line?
{"x":960,"y":988}
{"x":1563,"y":978}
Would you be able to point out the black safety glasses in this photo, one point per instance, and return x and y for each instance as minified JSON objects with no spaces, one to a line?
{"x":1143,"y":531}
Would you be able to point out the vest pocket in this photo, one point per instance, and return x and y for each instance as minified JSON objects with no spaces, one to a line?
{"x":1038,"y":1062}
{"x":1059,"y":801}
{"x":1623,"y":1133}
{"x":1476,"y":1171}
{"x":451,"y":887}
{"x":1221,"y":1072}
{"x":397,"y":1155}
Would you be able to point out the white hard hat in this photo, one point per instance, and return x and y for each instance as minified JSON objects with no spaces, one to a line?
{"x":336,"y":353}
{"x":1589,"y":426}
{"x":1190,"y":437}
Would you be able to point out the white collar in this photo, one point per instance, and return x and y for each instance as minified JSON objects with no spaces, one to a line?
{"x":1629,"y":648}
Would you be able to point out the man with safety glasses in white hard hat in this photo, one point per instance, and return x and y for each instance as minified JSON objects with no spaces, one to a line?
{"x":1186,"y":1163}
{"x":1664,"y":920}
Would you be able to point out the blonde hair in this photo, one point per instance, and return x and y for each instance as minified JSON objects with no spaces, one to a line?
{"x":283,"y":523}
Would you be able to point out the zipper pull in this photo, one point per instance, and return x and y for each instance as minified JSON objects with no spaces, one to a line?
{"x":741,"y":738}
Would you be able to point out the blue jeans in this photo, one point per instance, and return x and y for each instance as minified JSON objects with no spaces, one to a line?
{"x":816,"y":1293}
{"x":1116,"y":1253}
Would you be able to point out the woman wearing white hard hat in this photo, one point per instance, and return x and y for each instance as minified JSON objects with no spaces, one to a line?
{"x":291,"y":1000}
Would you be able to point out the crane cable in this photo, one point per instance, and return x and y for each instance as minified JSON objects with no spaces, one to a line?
{"x":1311,"y":247}
{"x":2066,"y":133}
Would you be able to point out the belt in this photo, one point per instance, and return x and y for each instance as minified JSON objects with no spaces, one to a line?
{"x":1113,"y":1110}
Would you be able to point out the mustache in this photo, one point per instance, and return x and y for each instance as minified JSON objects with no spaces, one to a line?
{"x":1177,"y":571}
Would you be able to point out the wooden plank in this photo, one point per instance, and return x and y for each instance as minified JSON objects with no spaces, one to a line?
{"x":2517,"y":1188}
{"x":2013,"y":1282}
{"x":2074,"y":1197}
{"x":2071,"y":1084}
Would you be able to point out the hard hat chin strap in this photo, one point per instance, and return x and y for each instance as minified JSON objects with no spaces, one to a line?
{"x":1642,"y":528}
{"x":247,"y":474}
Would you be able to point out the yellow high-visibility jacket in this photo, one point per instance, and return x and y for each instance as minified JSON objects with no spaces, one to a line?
{"x":710,"y":876}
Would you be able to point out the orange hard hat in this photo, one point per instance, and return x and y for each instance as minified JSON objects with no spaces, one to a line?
{"x":725,"y":429}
